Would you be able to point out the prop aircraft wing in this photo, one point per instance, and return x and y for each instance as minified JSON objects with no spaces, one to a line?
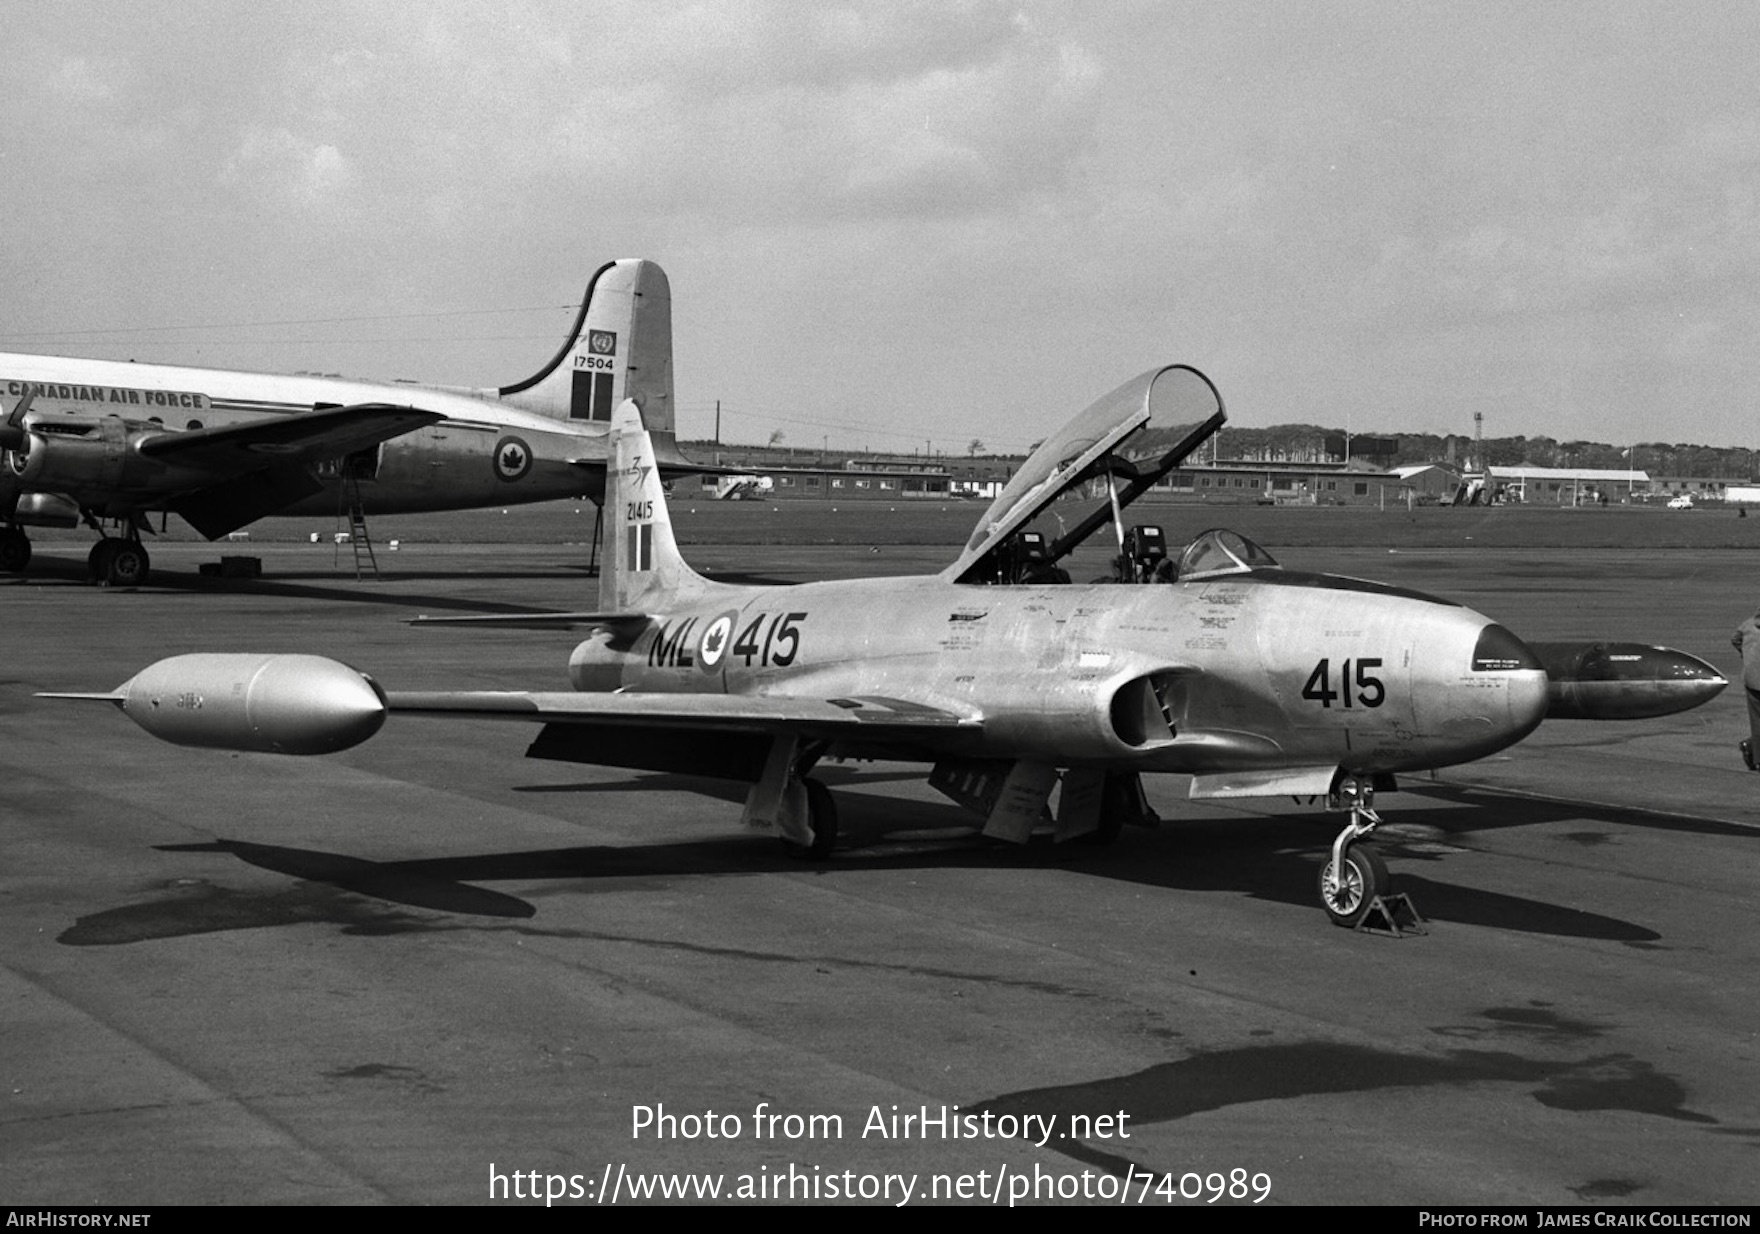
{"x":231,"y":449}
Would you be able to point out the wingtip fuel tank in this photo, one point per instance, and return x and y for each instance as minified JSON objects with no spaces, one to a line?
{"x":273,"y":704}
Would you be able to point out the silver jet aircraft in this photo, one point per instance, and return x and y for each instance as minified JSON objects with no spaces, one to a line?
{"x":110,"y":442}
{"x":1037,"y":704}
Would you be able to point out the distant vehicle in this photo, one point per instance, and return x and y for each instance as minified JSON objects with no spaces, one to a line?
{"x":1683,"y":502}
{"x":743,"y":488}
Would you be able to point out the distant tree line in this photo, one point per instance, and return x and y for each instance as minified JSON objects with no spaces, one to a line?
{"x":1306,"y":443}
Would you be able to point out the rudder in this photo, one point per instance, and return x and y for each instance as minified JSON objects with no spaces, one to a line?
{"x":641,"y":569}
{"x":620,"y":348}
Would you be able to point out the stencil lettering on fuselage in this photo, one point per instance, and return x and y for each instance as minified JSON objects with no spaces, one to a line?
{"x":672,"y":645}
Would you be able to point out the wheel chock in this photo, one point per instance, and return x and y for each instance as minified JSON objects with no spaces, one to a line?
{"x":1397,"y":915}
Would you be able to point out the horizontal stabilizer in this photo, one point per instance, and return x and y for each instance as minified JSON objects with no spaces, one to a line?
{"x":536,"y":621}
{"x":672,"y":463}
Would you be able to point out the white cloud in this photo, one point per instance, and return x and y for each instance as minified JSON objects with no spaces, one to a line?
{"x":79,"y":79}
{"x":278,"y":164}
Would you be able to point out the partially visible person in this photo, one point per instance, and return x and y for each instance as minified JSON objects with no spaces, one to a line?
{"x":1747,"y":641}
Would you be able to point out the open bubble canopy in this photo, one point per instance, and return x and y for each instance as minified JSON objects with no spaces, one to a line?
{"x":1088,"y":445}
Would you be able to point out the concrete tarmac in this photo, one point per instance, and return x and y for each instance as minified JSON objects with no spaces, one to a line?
{"x":406,"y":972}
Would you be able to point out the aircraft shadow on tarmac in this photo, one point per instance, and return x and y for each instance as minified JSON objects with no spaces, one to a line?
{"x":339,"y":588}
{"x":335,"y":585}
{"x":1270,"y":858}
{"x":1589,"y":1083}
{"x":1492,"y":809}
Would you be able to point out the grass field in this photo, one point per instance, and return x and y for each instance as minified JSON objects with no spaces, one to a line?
{"x":871,"y":524}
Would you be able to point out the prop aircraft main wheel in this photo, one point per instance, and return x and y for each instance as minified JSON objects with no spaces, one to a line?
{"x":127,"y":566}
{"x":15,"y":550}
{"x":1348,"y":896}
{"x":98,"y":560}
{"x":822,"y":818}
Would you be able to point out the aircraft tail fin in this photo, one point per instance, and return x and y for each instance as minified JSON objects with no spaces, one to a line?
{"x":620,"y":348}
{"x":640,"y":567}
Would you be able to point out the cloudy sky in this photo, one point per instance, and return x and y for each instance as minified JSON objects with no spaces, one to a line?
{"x":891,"y":223}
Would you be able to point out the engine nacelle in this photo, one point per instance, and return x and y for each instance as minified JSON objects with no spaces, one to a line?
{"x":273,"y":704}
{"x":1623,"y":681}
{"x":84,"y":453}
{"x":44,"y":510}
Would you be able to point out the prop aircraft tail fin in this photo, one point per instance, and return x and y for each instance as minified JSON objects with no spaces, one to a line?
{"x":620,"y":348}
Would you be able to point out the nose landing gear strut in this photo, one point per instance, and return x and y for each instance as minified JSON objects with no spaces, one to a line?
{"x":1355,"y":886}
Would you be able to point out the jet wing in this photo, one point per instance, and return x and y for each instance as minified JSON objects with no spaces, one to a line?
{"x":870,"y":717}
{"x":273,"y":441}
{"x":1170,"y":395}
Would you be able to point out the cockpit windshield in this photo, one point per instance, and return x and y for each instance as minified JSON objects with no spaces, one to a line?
{"x":1221,"y":551}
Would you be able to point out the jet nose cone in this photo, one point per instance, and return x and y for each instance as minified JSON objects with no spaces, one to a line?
{"x":1530,"y":700}
{"x":1477,"y":689}
{"x":1499,"y":652}
{"x":1625,"y":681}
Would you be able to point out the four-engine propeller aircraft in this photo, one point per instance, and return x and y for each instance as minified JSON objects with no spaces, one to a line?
{"x":1251,"y":679}
{"x":104,"y":441}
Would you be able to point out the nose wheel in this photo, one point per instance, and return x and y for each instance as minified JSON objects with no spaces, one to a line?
{"x":1348,"y":892}
{"x":1354,"y":881}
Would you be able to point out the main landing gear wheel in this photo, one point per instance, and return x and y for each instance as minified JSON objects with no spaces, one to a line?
{"x":118,"y":563}
{"x":1349,"y":894}
{"x":15,"y":550}
{"x":128,"y":565}
{"x":98,"y":560}
{"x":1121,"y":802}
{"x":822,"y":818}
